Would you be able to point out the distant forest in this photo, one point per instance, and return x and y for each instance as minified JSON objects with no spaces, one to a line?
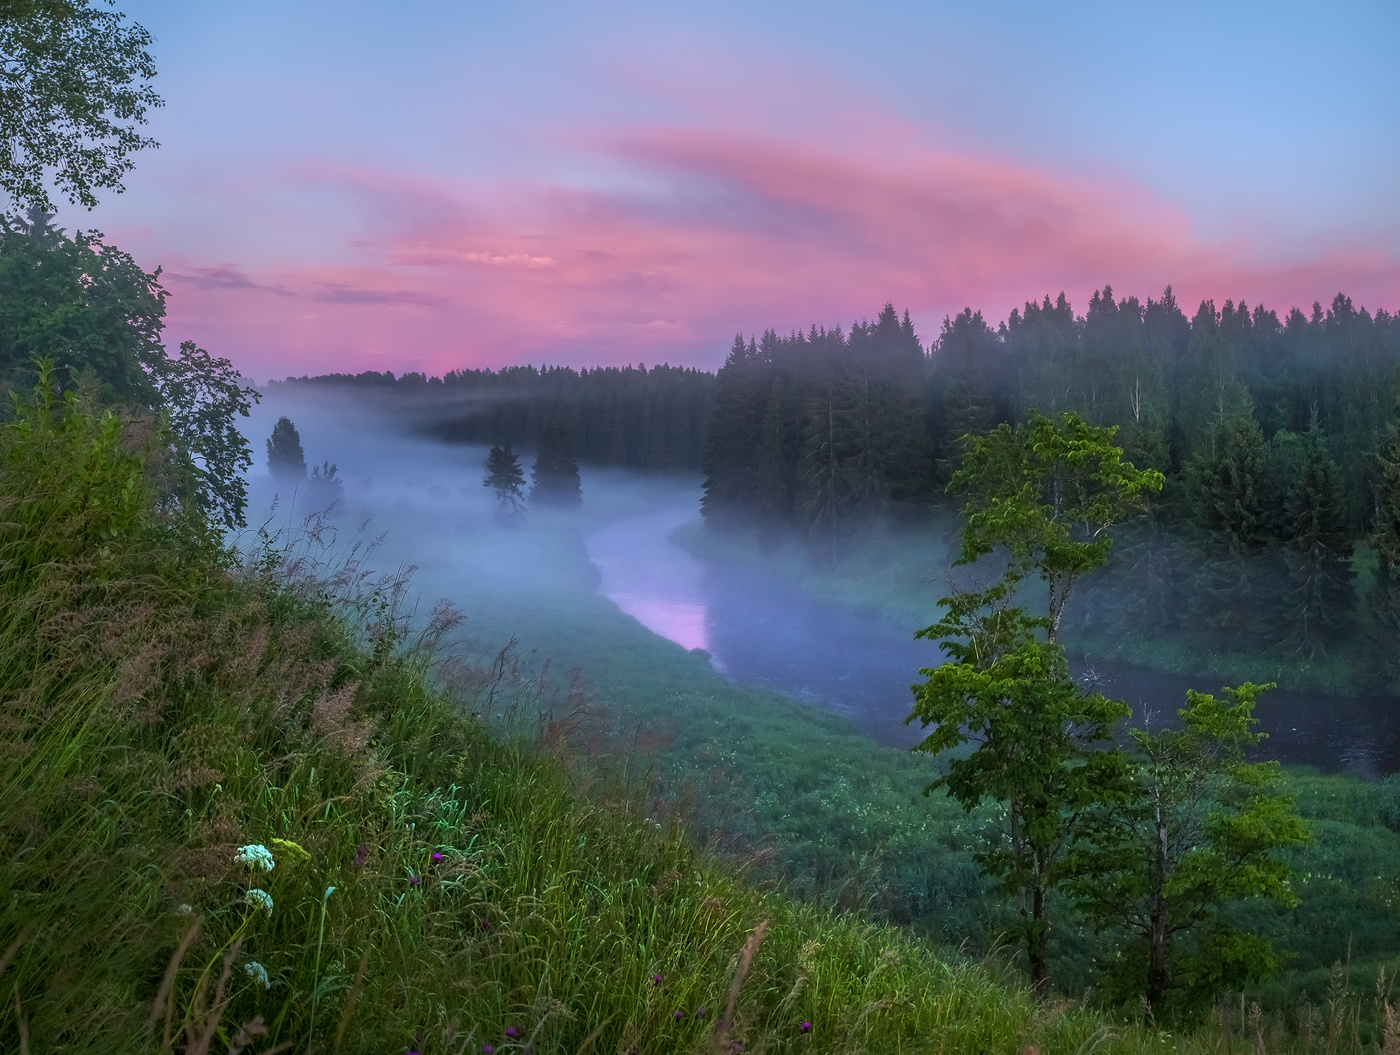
{"x":630,"y":416}
{"x":1279,"y":527}
{"x":1278,"y":438}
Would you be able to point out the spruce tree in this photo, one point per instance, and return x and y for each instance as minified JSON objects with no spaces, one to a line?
{"x":555,"y":476}
{"x":1318,"y":606}
{"x":1383,"y":600}
{"x":285,"y":458}
{"x":505,"y":477}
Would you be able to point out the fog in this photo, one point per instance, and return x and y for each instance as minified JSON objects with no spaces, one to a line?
{"x":569,"y":586}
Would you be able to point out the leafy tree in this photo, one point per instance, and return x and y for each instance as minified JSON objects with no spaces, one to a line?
{"x":1202,"y":829}
{"x":285,"y":458}
{"x":505,"y":477}
{"x":200,"y":397}
{"x":1042,"y":495}
{"x":555,"y":476}
{"x":75,"y":83}
{"x":84,"y":304}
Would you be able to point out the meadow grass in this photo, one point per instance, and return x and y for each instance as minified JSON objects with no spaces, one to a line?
{"x":442,"y":882}
{"x":238,"y":813}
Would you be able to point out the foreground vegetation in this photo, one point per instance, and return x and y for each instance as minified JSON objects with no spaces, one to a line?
{"x":230,"y":821}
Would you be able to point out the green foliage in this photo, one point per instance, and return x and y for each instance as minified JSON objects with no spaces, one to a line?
{"x":1203,"y":828}
{"x":84,"y":304}
{"x":1044,"y":495}
{"x":285,"y":459}
{"x":76,"y":83}
{"x":431,"y":886}
{"x":201,"y":396}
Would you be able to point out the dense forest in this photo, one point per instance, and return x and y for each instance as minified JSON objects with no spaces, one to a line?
{"x":1278,"y":438}
{"x":631,"y":416}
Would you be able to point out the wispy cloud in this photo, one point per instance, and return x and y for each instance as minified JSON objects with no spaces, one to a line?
{"x":708,"y":232}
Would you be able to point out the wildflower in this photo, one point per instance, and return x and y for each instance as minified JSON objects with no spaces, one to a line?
{"x":259,"y":899}
{"x":437,"y":858}
{"x":679,"y":1014}
{"x":483,"y":924}
{"x":257,"y":972}
{"x":656,"y":979}
{"x":412,"y":879}
{"x":512,"y":1032}
{"x":297,"y":851}
{"x":806,"y":1027}
{"x":361,"y":855}
{"x":255,"y":855}
{"x":487,"y":1049}
{"x":701,"y":1011}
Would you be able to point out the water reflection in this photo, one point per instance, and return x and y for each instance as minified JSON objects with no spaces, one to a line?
{"x":760,"y":629}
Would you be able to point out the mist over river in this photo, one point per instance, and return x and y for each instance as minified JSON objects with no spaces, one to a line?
{"x":427,"y":501}
{"x":761,"y":628}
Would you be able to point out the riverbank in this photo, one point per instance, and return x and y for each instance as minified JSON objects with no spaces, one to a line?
{"x":898,"y":574}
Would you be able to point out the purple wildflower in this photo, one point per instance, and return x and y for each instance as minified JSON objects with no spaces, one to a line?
{"x":656,"y":979}
{"x":701,"y":1011}
{"x":436,"y":858}
{"x":512,"y":1032}
{"x":483,"y":924}
{"x":806,"y":1027}
{"x":680,"y":1015}
{"x":487,"y":1049}
{"x":361,"y":855}
{"x":412,"y":879}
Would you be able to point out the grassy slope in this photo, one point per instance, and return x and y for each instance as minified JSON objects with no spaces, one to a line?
{"x":159,"y":712}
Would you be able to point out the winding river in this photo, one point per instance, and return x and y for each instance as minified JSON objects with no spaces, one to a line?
{"x":761,"y":629}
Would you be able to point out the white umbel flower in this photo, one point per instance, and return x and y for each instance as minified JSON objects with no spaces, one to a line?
{"x":259,"y":899}
{"x":255,"y":855}
{"x":257,"y":972}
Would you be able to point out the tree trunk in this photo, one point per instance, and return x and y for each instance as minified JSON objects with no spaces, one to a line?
{"x":1036,"y":945}
{"x":1157,"y":976}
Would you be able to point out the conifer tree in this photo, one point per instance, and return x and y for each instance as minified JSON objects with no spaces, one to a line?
{"x":1383,"y":600}
{"x":555,"y":476}
{"x":285,"y":459}
{"x":506,"y":479}
{"x":1319,"y":604}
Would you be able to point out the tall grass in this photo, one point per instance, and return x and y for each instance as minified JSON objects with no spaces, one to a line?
{"x":434,"y":887}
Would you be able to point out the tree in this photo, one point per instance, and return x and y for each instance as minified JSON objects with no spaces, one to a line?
{"x":555,"y":477}
{"x":1201,"y":829}
{"x":74,"y":89}
{"x":324,"y":488}
{"x":1043,"y":496}
{"x":1383,"y":599}
{"x":285,"y":458}
{"x":200,"y":396}
{"x":84,"y":304}
{"x":505,"y":478}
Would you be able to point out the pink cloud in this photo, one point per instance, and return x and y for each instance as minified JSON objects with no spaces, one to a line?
{"x":715,"y":232}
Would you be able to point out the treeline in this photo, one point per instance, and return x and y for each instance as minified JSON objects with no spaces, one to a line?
{"x":632,"y":416}
{"x":1277,"y":436}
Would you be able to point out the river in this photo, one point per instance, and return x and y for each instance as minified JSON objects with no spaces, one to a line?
{"x":762,"y":629}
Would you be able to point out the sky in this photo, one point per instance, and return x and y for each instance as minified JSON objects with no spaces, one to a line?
{"x":435,"y":185}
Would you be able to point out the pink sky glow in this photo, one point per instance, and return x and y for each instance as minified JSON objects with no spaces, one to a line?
{"x":709,"y":233}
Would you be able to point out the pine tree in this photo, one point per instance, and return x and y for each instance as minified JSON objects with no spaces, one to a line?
{"x":285,"y":458}
{"x":1237,"y":596}
{"x":1383,"y":600}
{"x":505,"y":477}
{"x":555,"y":476}
{"x":1319,"y":604}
